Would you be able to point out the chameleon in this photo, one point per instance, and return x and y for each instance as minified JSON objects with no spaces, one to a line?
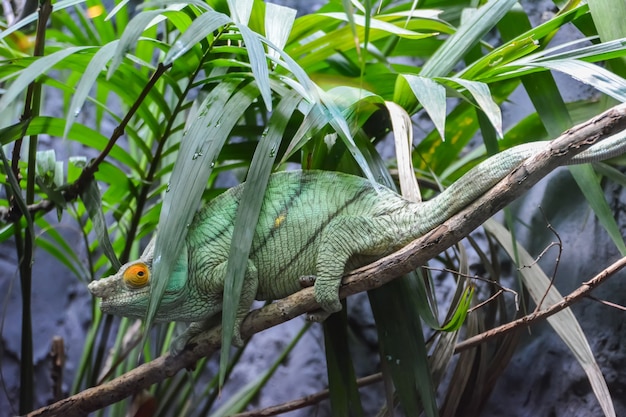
{"x":312,"y":224}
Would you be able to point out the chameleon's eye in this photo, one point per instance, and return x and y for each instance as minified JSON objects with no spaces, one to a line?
{"x":136,"y":276}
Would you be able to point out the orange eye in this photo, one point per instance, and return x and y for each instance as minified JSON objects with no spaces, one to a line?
{"x":137,"y":276}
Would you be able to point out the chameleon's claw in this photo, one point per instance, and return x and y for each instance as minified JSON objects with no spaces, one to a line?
{"x":179,"y":343}
{"x":307,"y":280}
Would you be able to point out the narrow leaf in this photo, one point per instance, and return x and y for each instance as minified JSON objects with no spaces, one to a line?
{"x":93,"y":203}
{"x":482,"y":95}
{"x":589,"y":185}
{"x":35,"y":70}
{"x":131,"y":35}
{"x":199,"y":29}
{"x":432,"y":96}
{"x":247,"y":218}
{"x":256,"y":54}
{"x":603,"y":80}
{"x":93,"y":70}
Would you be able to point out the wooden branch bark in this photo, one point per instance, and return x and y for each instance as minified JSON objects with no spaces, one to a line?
{"x":366,"y":278}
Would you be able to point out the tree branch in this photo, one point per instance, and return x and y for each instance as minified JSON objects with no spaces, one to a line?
{"x":372,"y":276}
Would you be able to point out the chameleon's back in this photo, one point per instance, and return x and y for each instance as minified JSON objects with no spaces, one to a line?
{"x":298,"y":205}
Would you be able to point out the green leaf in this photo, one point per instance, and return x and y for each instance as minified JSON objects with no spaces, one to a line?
{"x":199,"y":29}
{"x":589,"y":184}
{"x":402,"y":346}
{"x":93,"y":70}
{"x":258,"y":62}
{"x":93,"y":203}
{"x":466,"y":36}
{"x":345,"y":400}
{"x":35,"y":70}
{"x":247,"y":218}
{"x":432,"y":97}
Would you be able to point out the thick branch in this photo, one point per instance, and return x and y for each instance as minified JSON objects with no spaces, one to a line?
{"x":369,"y":277}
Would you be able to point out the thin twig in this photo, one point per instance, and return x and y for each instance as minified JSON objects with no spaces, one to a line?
{"x":607,"y":303}
{"x":568,"y":300}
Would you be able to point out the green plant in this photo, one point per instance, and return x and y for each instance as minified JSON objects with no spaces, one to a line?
{"x":181,"y":81}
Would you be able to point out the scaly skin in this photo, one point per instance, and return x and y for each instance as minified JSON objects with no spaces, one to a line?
{"x":312,"y":223}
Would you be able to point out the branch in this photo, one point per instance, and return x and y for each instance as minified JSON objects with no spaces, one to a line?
{"x":372,"y":276}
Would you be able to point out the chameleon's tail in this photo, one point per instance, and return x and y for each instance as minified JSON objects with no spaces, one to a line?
{"x":488,"y":173}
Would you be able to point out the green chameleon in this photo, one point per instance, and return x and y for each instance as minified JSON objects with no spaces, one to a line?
{"x":312,"y":224}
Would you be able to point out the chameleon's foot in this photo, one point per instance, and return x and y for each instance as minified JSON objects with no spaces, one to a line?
{"x":307,"y":280}
{"x":179,"y":343}
{"x":318,"y":316}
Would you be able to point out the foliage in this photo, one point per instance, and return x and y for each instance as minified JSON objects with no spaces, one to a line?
{"x":202,"y":88}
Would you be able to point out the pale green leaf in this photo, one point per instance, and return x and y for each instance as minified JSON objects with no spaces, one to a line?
{"x":93,"y":70}
{"x":93,"y":203}
{"x":278,"y":23}
{"x":482,"y":95}
{"x":240,"y":10}
{"x":603,"y":80}
{"x":403,"y":140}
{"x":33,"y":17}
{"x":377,"y":24}
{"x":258,"y":62}
{"x":133,"y":31}
{"x":247,"y":217}
{"x":432,"y":97}
{"x":201,"y":27}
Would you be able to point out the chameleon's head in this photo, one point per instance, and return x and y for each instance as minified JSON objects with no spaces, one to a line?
{"x":126,"y":293}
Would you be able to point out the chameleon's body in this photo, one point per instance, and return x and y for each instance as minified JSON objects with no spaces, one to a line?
{"x":311,"y":223}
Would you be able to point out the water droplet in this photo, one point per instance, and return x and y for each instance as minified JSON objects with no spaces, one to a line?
{"x":273,"y":152}
{"x":77,"y":112}
{"x":196,"y":155}
{"x":212,"y":164}
{"x":167,"y":189}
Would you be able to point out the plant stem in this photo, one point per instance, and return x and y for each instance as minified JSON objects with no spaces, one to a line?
{"x":25,"y":244}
